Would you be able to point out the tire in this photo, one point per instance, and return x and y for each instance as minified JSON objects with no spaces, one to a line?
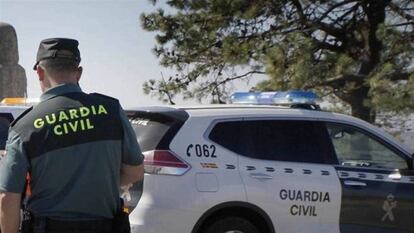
{"x":231,"y":225}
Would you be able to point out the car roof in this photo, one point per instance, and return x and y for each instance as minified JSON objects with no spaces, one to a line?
{"x":263,"y":111}
{"x":15,"y":110}
{"x":221,"y":110}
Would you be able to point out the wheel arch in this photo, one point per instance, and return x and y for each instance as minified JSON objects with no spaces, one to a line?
{"x":235,"y":208}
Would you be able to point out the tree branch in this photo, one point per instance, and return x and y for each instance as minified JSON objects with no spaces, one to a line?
{"x":166,"y":92}
{"x":341,"y":80}
{"x":240,"y":76}
{"x":401,"y":24}
{"x":338,"y":81}
{"x":233,"y":78}
{"x":401,"y":12}
{"x":353,"y":9}
{"x":299,"y":9}
{"x":399,"y":76}
{"x":330,"y":29}
{"x":333,"y":8}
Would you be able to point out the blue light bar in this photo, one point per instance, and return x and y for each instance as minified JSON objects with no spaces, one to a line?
{"x":275,"y":98}
{"x":244,"y":97}
{"x":266,"y":97}
{"x":295,"y":97}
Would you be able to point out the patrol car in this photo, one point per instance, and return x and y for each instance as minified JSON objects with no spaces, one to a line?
{"x":10,"y":109}
{"x":265,"y":169}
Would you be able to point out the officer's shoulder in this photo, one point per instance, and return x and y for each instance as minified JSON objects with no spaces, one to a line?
{"x":99,"y":95}
{"x":21,"y":116}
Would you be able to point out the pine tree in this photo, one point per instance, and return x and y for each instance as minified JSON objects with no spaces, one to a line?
{"x":357,"y":51}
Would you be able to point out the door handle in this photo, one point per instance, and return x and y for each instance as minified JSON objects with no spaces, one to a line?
{"x":260,"y":176}
{"x":355,"y":183}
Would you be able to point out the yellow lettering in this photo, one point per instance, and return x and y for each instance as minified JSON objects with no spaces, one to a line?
{"x":88,"y":124}
{"x":39,"y":123}
{"x":93,"y":110}
{"x":82,"y":125}
{"x":63,"y":116}
{"x":101,"y":109}
{"x":74,"y":126}
{"x":51,"y":121}
{"x":58,"y":130}
{"x":73,"y":113}
{"x":84,"y":111}
{"x":65,"y":128}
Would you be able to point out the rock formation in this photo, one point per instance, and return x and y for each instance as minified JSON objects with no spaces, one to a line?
{"x":13,"y":81}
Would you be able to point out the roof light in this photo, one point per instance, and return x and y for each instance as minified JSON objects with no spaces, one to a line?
{"x":295,"y":97}
{"x":252,"y":97}
{"x":289,"y":98}
{"x":19,"y":101}
{"x":266,"y":97}
{"x":244,"y":97}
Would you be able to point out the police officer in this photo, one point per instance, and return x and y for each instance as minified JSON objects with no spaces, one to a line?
{"x":78,"y":149}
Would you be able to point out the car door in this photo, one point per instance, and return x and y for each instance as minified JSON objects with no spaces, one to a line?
{"x":285,"y":167}
{"x":377,"y":183}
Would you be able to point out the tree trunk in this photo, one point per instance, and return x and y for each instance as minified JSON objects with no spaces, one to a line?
{"x":362,"y":112}
{"x":356,"y":98}
{"x":375,"y":11}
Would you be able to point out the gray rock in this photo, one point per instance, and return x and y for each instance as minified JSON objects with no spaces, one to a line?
{"x":13,"y":82}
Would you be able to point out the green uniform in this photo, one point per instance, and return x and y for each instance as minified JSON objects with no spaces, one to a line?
{"x":73,"y":144}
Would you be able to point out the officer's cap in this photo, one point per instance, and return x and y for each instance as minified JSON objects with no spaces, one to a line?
{"x":58,"y":48}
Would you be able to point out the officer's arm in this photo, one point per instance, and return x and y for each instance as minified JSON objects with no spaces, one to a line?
{"x":10,"y":212}
{"x":13,"y":168}
{"x":132,"y":169}
{"x":131,"y":174}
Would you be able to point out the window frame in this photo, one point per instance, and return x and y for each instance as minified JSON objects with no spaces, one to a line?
{"x":369,"y":133}
{"x":177,"y":121}
{"x":8,"y":116}
{"x":330,"y":150}
{"x":213,"y":123}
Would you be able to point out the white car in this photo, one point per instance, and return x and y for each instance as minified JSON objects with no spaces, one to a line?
{"x":266,"y":169}
{"x":7,"y":115}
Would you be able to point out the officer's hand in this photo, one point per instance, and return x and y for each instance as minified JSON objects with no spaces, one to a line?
{"x":2,"y":154}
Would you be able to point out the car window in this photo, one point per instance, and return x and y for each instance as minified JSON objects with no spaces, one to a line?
{"x":4,"y":129}
{"x":357,"y":148}
{"x":281,"y":140}
{"x":149,"y":131}
{"x":226,"y":134}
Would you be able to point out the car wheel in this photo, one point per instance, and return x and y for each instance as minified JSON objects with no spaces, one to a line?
{"x":231,"y":225}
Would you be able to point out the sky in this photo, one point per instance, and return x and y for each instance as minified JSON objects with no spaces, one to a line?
{"x":115,"y":50}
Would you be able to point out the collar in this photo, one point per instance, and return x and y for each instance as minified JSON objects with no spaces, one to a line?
{"x":59,"y":90}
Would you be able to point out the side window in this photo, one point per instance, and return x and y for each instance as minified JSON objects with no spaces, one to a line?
{"x":354,"y":147}
{"x":5,"y":120}
{"x":280,"y":140}
{"x":226,"y":134}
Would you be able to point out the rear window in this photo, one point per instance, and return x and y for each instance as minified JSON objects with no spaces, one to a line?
{"x":150,"y":131}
